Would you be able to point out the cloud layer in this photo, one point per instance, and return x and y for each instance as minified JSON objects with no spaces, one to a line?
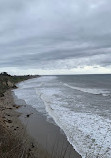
{"x":55,"y":35}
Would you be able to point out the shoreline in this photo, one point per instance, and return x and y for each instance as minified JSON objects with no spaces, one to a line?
{"x":37,"y":137}
{"x":48,"y":135}
{"x":14,"y":139}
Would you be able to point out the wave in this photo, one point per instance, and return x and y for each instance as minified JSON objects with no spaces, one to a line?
{"x":89,"y":134}
{"x":91,"y":91}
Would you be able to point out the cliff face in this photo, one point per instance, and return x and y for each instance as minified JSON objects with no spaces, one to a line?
{"x":7,"y":81}
{"x":10,"y":84}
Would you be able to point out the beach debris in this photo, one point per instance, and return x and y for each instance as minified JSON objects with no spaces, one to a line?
{"x":17,"y":106}
{"x":28,"y":115}
{"x":9,"y":121}
{"x":8,"y":114}
{"x":9,"y":108}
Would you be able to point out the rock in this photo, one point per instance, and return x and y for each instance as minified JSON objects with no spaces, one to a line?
{"x":9,"y":121}
{"x":29,"y":114}
{"x":17,"y":107}
{"x":10,"y":84}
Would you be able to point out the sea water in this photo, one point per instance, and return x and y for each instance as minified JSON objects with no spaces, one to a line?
{"x":79,"y":104}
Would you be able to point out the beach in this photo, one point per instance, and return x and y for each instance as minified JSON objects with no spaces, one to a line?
{"x":14,"y":140}
{"x":55,"y":79}
{"x":57,"y":117}
{"x":73,"y":108}
{"x":46,"y":133}
{"x":29,"y":134}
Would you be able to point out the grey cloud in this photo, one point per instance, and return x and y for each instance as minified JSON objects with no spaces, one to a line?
{"x":48,"y":33}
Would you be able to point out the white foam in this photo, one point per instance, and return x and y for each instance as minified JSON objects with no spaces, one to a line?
{"x":89,"y":134}
{"x":30,"y":98}
{"x":91,"y":91}
{"x":35,"y":82}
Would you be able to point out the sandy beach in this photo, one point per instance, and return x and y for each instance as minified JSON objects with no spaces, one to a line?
{"x":14,"y":140}
{"x":55,"y":79}
{"x":46,"y":133}
{"x":30,"y":133}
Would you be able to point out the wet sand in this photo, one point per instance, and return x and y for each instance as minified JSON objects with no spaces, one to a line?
{"x":14,"y":140}
{"x":46,"y":133}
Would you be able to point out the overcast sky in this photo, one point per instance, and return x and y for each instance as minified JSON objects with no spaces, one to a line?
{"x":55,"y":36}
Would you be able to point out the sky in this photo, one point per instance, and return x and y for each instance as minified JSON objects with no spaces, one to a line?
{"x":55,"y":36}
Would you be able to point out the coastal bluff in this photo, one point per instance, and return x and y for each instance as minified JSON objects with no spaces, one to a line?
{"x":7,"y":81}
{"x":14,"y":140}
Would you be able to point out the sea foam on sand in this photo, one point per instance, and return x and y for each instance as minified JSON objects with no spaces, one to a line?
{"x":90,"y":134}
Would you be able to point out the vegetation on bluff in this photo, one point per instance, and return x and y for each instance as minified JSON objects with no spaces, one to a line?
{"x":7,"y":81}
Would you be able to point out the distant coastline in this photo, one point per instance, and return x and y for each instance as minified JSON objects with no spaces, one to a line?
{"x":7,"y":81}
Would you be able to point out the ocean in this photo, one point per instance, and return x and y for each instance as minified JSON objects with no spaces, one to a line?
{"x":79,"y":104}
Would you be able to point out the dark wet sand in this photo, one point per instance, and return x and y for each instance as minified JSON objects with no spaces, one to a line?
{"x":14,"y":140}
{"x":48,"y":135}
